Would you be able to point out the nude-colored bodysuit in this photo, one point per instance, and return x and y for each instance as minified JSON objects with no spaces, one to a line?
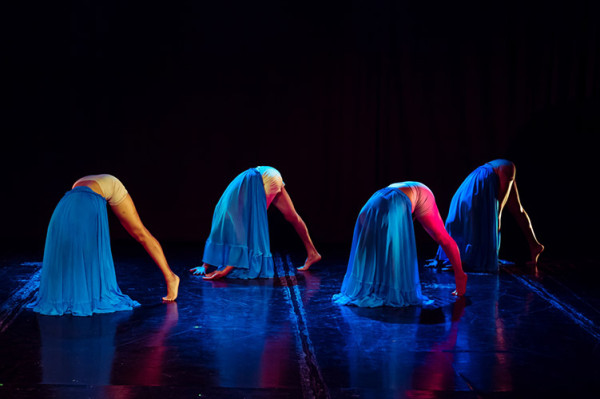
{"x":112,"y":189}
{"x":421,"y":197}
{"x":272,"y":181}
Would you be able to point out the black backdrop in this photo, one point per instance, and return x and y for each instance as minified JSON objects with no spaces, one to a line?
{"x":343,"y":97}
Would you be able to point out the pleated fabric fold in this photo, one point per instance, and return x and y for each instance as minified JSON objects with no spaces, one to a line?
{"x":473,"y":221}
{"x":78,"y":273}
{"x":383,"y":265}
{"x":239,"y":234}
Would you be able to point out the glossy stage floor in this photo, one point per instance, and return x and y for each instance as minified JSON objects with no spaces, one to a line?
{"x":521,"y":333}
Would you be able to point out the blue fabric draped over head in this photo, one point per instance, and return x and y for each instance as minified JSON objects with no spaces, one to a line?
{"x":78,"y":273}
{"x":239,"y":234}
{"x":383,"y":264}
{"x":473,"y":221}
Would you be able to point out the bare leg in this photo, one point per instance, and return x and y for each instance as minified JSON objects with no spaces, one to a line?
{"x":433,"y":224}
{"x":283,"y":202}
{"x":505,"y":170}
{"x":129,"y":218}
{"x":513,"y":204}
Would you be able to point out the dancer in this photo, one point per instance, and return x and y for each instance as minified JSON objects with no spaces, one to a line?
{"x":476,"y":211}
{"x":383,"y":265}
{"x":238,"y":244}
{"x":78,"y":274}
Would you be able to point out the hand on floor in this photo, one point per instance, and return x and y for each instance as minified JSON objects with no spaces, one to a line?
{"x":200,"y":270}
{"x":217,"y":274}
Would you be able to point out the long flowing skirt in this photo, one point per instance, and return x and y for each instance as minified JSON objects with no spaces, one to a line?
{"x":383,"y":265}
{"x":78,"y":273}
{"x":473,"y":221}
{"x":239,"y":234}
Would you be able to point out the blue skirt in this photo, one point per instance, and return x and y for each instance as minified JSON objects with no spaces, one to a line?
{"x":78,"y":273}
{"x":473,"y":221}
{"x":383,"y":265}
{"x":239,"y":235}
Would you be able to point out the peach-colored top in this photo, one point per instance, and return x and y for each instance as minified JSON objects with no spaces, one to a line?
{"x":272,"y":181}
{"x":421,"y":197}
{"x":112,"y":189}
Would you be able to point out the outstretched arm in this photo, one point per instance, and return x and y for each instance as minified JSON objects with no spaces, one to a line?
{"x":434,"y":226}
{"x":283,"y":202}
{"x":129,"y":218}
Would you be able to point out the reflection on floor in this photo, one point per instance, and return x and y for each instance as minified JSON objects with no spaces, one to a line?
{"x":521,"y":333}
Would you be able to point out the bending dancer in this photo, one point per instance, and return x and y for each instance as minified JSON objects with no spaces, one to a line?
{"x":238,"y":244}
{"x":383,"y":265}
{"x":78,"y":273}
{"x":476,"y":211}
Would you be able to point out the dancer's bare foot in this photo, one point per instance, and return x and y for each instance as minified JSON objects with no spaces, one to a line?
{"x":172,"y":288}
{"x":312,"y":258}
{"x":217,"y":274}
{"x":461,"y":284}
{"x":535,"y":252}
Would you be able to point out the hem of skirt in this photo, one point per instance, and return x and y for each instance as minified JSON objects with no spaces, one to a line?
{"x":247,"y":263}
{"x":406,"y":298}
{"x":265,"y":270}
{"x":370,"y":286}
{"x":468,"y":266}
{"x":82,"y":308}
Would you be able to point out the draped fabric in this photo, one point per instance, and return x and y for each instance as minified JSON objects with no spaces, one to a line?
{"x":239,"y":234}
{"x":383,"y":266}
{"x":78,"y":273}
{"x":473,"y":221}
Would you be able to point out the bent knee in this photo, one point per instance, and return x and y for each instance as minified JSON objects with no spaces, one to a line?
{"x":444,"y":240}
{"x":292,"y":217}
{"x":140,"y":234}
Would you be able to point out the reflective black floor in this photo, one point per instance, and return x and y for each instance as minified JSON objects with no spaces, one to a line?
{"x":522,"y":333}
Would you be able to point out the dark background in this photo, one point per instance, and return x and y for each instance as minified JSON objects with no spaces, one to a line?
{"x":343,"y":97}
